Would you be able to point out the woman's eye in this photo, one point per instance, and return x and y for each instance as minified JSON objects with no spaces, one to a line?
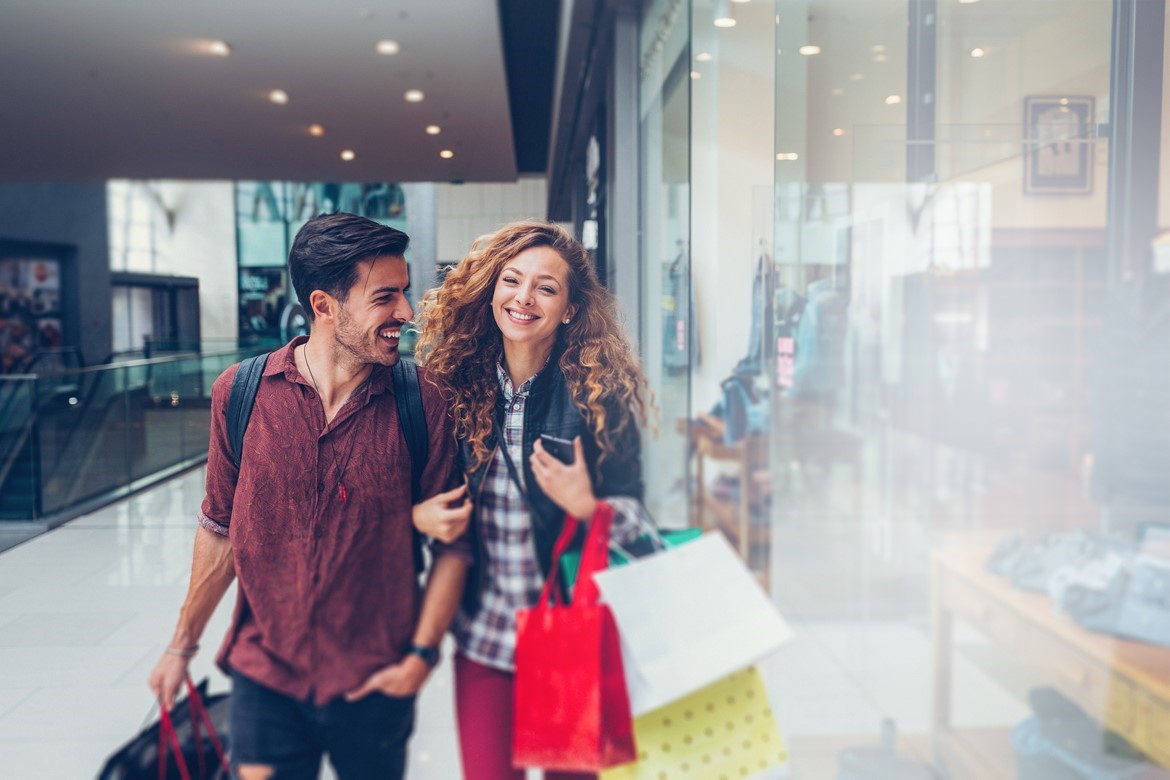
{"x":509,"y":280}
{"x":548,"y":290}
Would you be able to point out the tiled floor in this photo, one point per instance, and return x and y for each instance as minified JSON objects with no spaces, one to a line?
{"x":86,"y":609}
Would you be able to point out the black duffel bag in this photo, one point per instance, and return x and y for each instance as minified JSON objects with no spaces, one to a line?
{"x":195,"y":736}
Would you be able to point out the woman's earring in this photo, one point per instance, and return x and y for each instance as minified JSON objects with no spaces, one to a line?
{"x":566,"y":320}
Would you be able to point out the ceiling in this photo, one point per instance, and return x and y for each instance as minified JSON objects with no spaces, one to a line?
{"x":128,"y":89}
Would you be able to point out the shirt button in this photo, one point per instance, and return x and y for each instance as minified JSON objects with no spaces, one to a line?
{"x":320,"y":487}
{"x":318,"y":532}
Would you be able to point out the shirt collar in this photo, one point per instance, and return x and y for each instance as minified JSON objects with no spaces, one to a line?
{"x":506,"y":381}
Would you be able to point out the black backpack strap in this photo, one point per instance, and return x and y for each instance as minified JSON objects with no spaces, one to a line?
{"x":240,"y":402}
{"x":413,"y":420}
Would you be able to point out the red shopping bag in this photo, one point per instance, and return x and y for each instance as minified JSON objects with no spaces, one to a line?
{"x":571,"y":709}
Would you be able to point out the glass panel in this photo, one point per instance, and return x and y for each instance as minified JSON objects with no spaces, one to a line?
{"x":17,"y":450}
{"x":971,"y":445}
{"x":668,"y":346}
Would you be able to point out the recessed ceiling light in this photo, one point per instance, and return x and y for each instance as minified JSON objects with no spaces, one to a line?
{"x":414,"y":96}
{"x":787,"y":156}
{"x":879,"y":58}
{"x":879,"y":48}
{"x":893,"y":100}
{"x":316,"y":131}
{"x":347,"y":155}
{"x":446,"y":154}
{"x":838,"y":92}
{"x":977,"y":53}
{"x":219,"y":48}
{"x":704,"y":56}
{"x":724,"y":16}
{"x":856,"y":77}
{"x":741,"y":1}
{"x":810,"y":50}
{"x":278,"y":96}
{"x":1064,"y":101}
{"x":388,"y":48}
{"x":838,"y":132}
{"x":696,"y":75}
{"x":967,"y":2}
{"x":725,"y":21}
{"x":434,"y":129}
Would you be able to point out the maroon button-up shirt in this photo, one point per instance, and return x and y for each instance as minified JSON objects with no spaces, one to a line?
{"x":327,"y":592}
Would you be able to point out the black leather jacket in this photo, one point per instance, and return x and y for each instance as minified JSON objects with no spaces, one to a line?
{"x":550,"y":410}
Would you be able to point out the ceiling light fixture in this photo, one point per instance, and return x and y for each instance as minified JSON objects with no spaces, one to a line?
{"x":704,"y":56}
{"x":967,"y":2}
{"x":414,"y":96}
{"x":316,"y":131}
{"x":838,"y":92}
{"x":809,"y":50}
{"x":434,"y":129}
{"x":278,"y":96}
{"x":856,"y":77}
{"x":893,"y":100}
{"x":838,"y":132}
{"x":879,"y":48}
{"x":787,"y":156}
{"x":446,"y":154}
{"x":977,"y":53}
{"x":696,"y":75}
{"x":724,"y":16}
{"x":348,"y":155}
{"x":387,"y":48}
{"x":879,"y":58}
{"x":219,"y":48}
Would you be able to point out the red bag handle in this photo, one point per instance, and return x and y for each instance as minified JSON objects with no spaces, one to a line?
{"x":167,"y":736}
{"x":199,"y":715}
{"x":594,"y":558}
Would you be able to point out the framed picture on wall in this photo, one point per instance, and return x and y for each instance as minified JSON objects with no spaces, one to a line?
{"x":1058,"y":145}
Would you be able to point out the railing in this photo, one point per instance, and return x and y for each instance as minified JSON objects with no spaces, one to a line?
{"x":73,"y":439}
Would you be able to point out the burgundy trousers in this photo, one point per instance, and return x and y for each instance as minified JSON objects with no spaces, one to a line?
{"x":483,"y":708}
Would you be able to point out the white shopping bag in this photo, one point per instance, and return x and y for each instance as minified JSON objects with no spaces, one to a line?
{"x":688,"y":617}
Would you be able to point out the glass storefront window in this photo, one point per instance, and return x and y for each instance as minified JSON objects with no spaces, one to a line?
{"x":925,"y":395}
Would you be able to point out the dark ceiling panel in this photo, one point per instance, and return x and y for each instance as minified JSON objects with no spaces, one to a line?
{"x":529,"y":29}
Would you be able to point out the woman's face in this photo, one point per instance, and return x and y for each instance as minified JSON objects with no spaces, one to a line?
{"x":531,"y":299}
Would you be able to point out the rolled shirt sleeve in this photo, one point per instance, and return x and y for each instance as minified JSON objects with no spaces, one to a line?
{"x":630,"y":520}
{"x":216,"y":512}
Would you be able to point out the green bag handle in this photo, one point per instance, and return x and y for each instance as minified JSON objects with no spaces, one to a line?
{"x":571,"y":561}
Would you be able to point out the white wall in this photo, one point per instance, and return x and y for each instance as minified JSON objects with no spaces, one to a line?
{"x":192,"y":232}
{"x":467,"y":211}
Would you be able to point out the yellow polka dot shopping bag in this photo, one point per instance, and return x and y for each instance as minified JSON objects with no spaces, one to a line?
{"x":725,"y":731}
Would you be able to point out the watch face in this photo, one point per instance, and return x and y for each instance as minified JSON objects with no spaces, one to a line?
{"x":428,"y":654}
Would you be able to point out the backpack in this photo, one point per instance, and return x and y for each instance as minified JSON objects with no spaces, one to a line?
{"x":411,"y":417}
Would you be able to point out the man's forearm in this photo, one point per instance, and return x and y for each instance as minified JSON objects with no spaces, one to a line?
{"x":212,"y":572}
{"x":444,"y":590}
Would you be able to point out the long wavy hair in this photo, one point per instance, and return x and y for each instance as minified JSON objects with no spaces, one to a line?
{"x":460,"y":343}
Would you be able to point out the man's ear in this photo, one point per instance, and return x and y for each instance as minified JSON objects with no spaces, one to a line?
{"x":323,"y":305}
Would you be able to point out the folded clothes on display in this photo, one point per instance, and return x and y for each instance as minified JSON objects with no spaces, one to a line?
{"x":1030,"y":566}
{"x":1122,"y":595}
{"x":1061,"y":742}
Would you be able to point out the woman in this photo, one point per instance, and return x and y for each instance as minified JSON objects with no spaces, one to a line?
{"x":523,"y":340}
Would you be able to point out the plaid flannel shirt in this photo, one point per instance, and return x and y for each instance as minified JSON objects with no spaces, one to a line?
{"x":514,"y":580}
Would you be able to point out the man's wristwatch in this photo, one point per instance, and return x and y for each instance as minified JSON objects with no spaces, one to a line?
{"x":429,"y":654}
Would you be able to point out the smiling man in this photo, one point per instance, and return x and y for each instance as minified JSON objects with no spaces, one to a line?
{"x":331,"y":638}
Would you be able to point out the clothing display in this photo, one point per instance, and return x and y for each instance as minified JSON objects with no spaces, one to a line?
{"x":819,"y":369}
{"x":680,"y":345}
{"x":1121,"y":595}
{"x":1030,"y":566}
{"x":760,"y":331}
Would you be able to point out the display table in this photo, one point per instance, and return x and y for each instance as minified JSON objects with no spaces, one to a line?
{"x":1124,"y":684}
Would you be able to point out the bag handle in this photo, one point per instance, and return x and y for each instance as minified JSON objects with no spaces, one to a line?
{"x":168,"y":737}
{"x":199,"y":715}
{"x":594,"y":558}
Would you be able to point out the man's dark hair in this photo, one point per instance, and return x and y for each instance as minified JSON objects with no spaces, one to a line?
{"x":326,"y":252}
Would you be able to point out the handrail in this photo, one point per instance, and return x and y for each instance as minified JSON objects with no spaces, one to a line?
{"x":138,"y":363}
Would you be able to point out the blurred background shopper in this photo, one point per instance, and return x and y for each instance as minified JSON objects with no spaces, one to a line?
{"x":523,"y":341}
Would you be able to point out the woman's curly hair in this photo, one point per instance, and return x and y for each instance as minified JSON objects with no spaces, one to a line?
{"x":460,"y":343}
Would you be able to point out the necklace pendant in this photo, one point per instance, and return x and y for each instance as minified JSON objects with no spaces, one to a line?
{"x":341,"y":491}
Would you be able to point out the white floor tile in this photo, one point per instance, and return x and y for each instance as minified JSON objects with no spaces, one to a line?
{"x":65,"y":629}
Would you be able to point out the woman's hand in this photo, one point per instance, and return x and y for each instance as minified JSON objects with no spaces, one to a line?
{"x":437,"y":518}
{"x":568,"y":486}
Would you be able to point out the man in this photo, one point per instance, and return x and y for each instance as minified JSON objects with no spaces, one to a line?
{"x":328,"y":645}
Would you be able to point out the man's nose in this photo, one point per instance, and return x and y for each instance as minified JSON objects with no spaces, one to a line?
{"x":405,"y":313}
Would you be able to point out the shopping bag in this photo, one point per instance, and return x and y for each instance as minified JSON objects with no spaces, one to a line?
{"x":724,"y":730}
{"x":688,"y":617}
{"x":187,"y":743}
{"x":571,"y":711}
{"x":643,"y":545}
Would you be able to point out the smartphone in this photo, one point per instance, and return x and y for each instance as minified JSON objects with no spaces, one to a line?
{"x":561,"y":449}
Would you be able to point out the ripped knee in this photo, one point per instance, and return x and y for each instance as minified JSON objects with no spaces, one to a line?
{"x":254,"y":772}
